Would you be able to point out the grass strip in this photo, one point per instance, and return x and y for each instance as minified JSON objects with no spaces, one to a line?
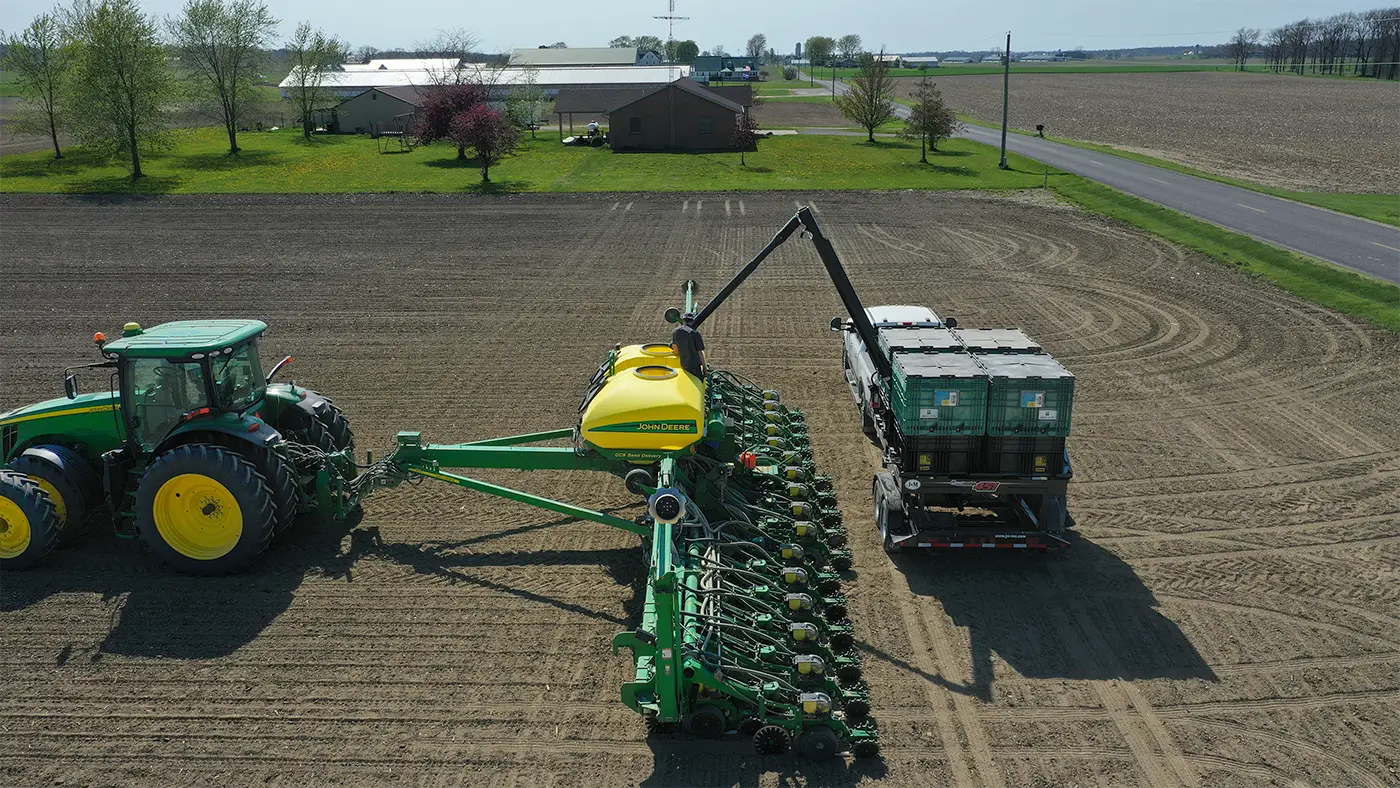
{"x":1322,"y":283}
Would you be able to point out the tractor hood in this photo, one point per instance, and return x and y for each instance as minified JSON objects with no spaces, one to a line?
{"x":62,"y":406}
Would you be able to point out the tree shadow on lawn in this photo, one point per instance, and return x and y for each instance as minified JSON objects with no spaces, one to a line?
{"x":224,"y":161}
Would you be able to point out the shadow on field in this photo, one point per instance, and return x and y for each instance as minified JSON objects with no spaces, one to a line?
{"x":157,"y":613}
{"x":680,"y":761}
{"x":223,"y":160}
{"x":1082,"y":614}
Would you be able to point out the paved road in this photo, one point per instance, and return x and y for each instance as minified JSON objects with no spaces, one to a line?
{"x":1348,"y":241}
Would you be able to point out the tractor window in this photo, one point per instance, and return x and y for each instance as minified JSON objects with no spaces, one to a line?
{"x":161,"y":393}
{"x":238,"y":377}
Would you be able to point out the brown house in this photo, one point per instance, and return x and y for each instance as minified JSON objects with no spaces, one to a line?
{"x":680,"y":116}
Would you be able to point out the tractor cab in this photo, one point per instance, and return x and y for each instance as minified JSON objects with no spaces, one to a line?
{"x":178,"y":372}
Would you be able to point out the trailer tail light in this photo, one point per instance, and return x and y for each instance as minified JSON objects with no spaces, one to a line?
{"x":986,"y":487}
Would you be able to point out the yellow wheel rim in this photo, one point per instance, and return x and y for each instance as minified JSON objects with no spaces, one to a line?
{"x":14,"y":529}
{"x":198,"y":517}
{"x":55,"y":496}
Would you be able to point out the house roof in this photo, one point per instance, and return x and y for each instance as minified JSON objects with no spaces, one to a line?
{"x":716,"y":63}
{"x":689,"y":86}
{"x":575,"y":56}
{"x":349,"y":82}
{"x":407,"y":94}
{"x":596,"y":100}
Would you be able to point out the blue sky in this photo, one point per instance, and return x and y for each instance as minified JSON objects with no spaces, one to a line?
{"x":899,"y":25}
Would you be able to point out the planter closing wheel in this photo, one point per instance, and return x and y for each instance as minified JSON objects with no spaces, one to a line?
{"x":772,"y":740}
{"x":705,"y":722}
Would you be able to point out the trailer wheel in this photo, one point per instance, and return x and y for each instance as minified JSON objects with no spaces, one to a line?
{"x":772,"y":740}
{"x":819,"y":743}
{"x":888,"y":519}
{"x":204,"y":510}
{"x":29,"y":522}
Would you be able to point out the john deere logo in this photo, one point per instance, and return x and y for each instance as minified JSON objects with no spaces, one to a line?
{"x":650,"y":426}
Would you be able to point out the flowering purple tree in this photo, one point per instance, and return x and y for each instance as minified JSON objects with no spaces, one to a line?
{"x":488,"y":133}
{"x":441,"y":105}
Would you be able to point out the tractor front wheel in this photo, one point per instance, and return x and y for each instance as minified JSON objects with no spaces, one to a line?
{"x":205,"y":510}
{"x":70,"y":482}
{"x":29,"y":522}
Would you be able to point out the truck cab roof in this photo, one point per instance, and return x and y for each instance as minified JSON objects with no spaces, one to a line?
{"x":896,"y":315}
{"x":183,"y":338}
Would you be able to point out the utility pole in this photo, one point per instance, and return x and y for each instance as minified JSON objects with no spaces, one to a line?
{"x":1005,"y":99}
{"x":671,"y":37}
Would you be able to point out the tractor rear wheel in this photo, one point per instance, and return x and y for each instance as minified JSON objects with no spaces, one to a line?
{"x":342,"y":436}
{"x":29,"y":522}
{"x":70,"y":482}
{"x":205,"y":510}
{"x":281,"y":480}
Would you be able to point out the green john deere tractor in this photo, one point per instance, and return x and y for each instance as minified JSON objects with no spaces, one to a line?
{"x":192,"y":447}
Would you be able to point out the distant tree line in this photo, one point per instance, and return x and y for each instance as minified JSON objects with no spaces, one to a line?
{"x":1367,"y":43}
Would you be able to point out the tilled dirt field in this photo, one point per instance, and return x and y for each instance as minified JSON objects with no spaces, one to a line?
{"x":1227,"y":618}
{"x":798,"y":114}
{"x":1290,"y":132}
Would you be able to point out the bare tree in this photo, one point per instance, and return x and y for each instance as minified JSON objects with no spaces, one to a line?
{"x":38,"y":57}
{"x":1242,"y":46}
{"x":558,"y":45}
{"x":848,"y":45}
{"x":119,"y":78}
{"x":929,"y":118}
{"x":453,"y":47}
{"x":869,"y":101}
{"x":316,"y":59}
{"x":366,"y":53}
{"x":745,"y":136}
{"x":220,"y":43}
{"x":719,"y":51}
{"x":757,"y":43}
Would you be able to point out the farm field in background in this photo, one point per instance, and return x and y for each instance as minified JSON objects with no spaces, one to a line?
{"x":1225,"y":618}
{"x":1290,"y":133}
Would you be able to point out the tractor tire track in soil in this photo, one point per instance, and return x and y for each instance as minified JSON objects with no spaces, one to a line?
{"x":1226,"y":616}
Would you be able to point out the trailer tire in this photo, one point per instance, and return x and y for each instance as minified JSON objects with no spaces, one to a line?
{"x":889,"y":511}
{"x":29,"y":522}
{"x":819,"y":743}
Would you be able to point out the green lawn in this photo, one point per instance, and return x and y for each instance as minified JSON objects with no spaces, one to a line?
{"x":280,"y":162}
{"x":1383,"y":208}
{"x":1319,"y":282}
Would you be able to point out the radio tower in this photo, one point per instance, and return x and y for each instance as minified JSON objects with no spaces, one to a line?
{"x":671,"y":36}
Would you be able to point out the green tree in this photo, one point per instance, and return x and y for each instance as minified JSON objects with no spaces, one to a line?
{"x":39,"y":58}
{"x":869,"y":101}
{"x":848,"y":45}
{"x":120,"y":80}
{"x":818,"y":49}
{"x":754,"y":48}
{"x":929,"y":118}
{"x":220,"y":43}
{"x":745,"y":136}
{"x":686,"y":52}
{"x":526,"y":101}
{"x":314,"y":58}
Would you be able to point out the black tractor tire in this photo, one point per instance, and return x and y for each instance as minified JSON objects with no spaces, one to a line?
{"x":772,"y":740}
{"x":705,"y":722}
{"x":333,"y":418}
{"x":33,"y":511}
{"x":282,"y":481}
{"x":221,"y":479}
{"x":819,"y":743}
{"x":70,"y":482}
